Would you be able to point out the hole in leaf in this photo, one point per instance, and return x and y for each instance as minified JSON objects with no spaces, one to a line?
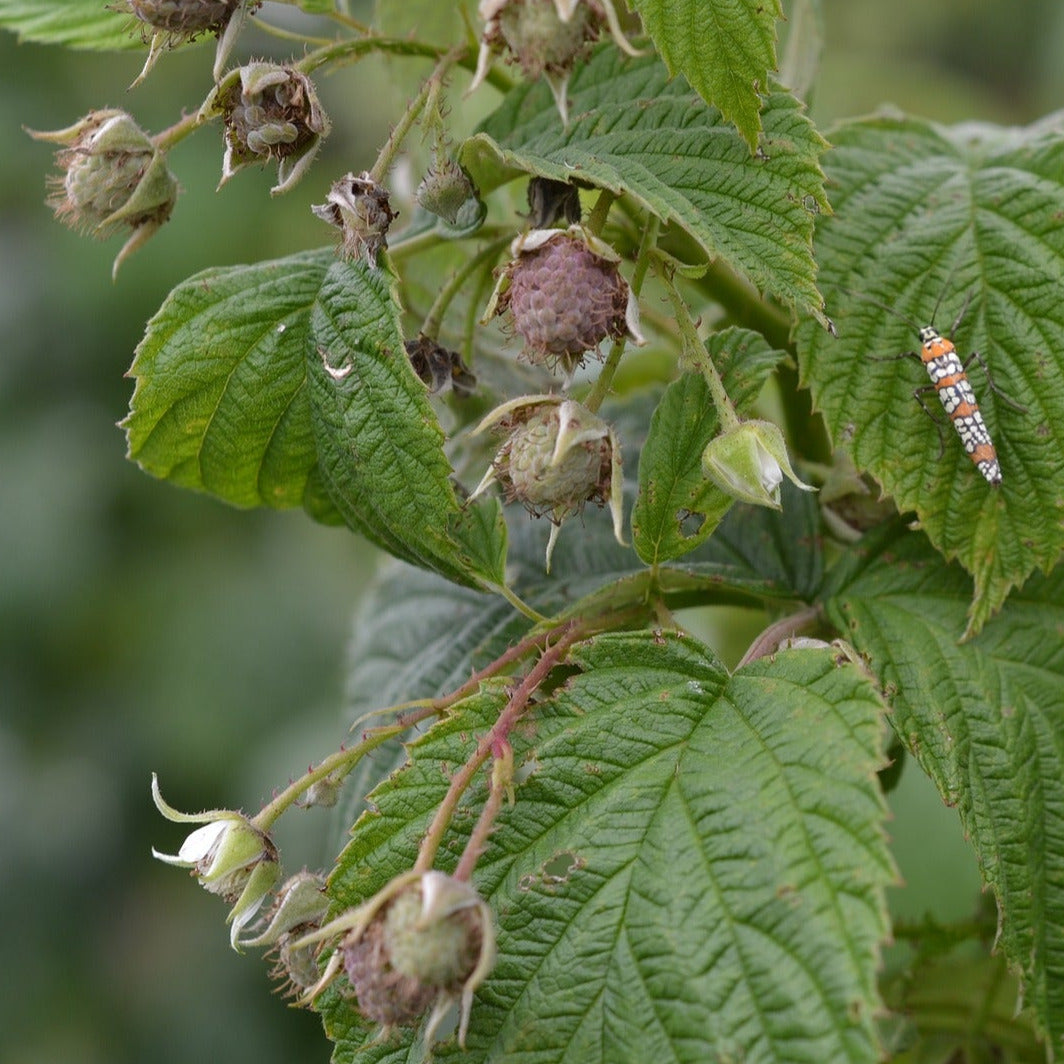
{"x":689,"y":521}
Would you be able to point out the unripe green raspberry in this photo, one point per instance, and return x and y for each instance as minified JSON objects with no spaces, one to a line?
{"x":532,"y":471}
{"x":540,"y":41}
{"x":113,"y":177}
{"x":446,"y":190}
{"x":557,"y":455}
{"x":545,"y":37}
{"x":423,"y":945}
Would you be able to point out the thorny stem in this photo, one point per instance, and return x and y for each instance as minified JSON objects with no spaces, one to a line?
{"x":695,"y":352}
{"x":434,"y":318}
{"x":501,"y":785}
{"x":431,"y":707}
{"x":344,"y":759}
{"x":596,"y":220}
{"x":491,"y":743}
{"x":472,"y":317}
{"x":391,"y":148}
{"x":359,"y":47}
{"x":176,"y":133}
{"x":642,"y":261}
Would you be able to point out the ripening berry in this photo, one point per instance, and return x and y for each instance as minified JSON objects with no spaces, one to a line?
{"x":565,"y":296}
{"x":184,"y":18}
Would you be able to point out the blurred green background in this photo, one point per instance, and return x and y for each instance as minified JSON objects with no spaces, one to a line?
{"x":146,"y":629}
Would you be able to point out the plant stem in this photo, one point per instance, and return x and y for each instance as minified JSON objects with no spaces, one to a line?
{"x":493,"y":741}
{"x":176,"y":133}
{"x":642,"y":261}
{"x":501,"y":784}
{"x":596,"y":220}
{"x":434,"y":318}
{"x":342,"y":761}
{"x":387,"y":155}
{"x":696,"y":355}
{"x":769,"y":640}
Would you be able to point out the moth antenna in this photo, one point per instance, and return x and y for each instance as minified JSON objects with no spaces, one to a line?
{"x":893,"y":311}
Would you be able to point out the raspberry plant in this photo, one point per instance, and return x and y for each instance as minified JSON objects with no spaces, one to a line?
{"x":592,"y":841}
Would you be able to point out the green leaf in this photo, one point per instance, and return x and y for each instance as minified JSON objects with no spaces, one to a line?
{"x":925,"y":217}
{"x":693,"y":869}
{"x":635,"y":132}
{"x":985,"y":719}
{"x":73,"y":23}
{"x":221,"y":402}
{"x":678,"y":507}
{"x":380,"y":445}
{"x":724,"y":48}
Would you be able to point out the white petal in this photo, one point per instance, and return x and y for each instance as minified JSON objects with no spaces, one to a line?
{"x":200,"y":843}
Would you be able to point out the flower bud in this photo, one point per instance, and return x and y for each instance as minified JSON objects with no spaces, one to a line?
{"x":360,"y":209}
{"x":557,"y":456}
{"x":448,"y":192}
{"x":228,"y":855}
{"x":423,"y":942}
{"x":565,"y":295}
{"x":749,"y":463}
{"x":299,"y":907}
{"x":113,"y":177}
{"x":271,"y":112}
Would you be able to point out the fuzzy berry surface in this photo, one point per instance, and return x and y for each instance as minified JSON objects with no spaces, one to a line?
{"x":565,"y":299}
{"x":524,"y":467}
{"x":540,"y":41}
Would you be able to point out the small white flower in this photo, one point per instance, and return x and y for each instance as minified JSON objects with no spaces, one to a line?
{"x":229,"y":856}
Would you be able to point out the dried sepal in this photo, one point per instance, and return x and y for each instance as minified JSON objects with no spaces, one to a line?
{"x":360,"y":208}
